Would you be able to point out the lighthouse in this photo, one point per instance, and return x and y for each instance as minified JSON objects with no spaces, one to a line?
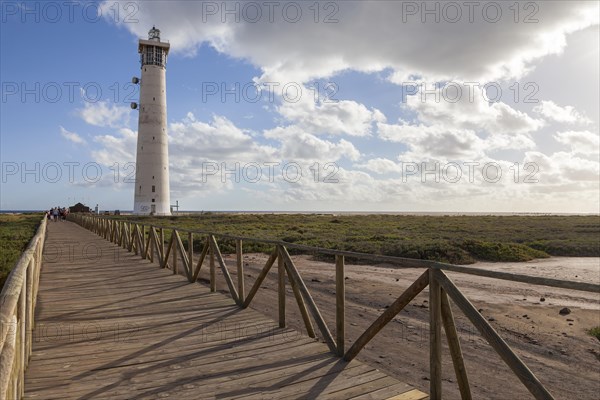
{"x":152,"y":195}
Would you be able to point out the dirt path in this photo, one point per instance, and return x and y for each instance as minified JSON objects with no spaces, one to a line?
{"x":556,"y":348}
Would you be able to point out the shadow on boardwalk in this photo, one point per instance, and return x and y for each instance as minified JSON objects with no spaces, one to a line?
{"x":111,"y":325}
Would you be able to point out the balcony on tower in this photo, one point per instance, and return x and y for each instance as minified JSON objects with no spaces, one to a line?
{"x":152,"y":51}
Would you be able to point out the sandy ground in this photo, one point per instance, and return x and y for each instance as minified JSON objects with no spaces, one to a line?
{"x":555,"y":347}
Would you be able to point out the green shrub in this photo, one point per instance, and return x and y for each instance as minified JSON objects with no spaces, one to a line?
{"x":494,"y":251}
{"x":595,"y":332}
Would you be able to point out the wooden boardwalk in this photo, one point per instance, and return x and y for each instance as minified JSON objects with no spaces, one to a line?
{"x":111,"y":325}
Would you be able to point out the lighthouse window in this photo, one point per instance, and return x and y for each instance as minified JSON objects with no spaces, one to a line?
{"x":153,"y":55}
{"x":150,"y":55}
{"x":153,"y":188}
{"x":153,"y":200}
{"x":154,"y":98}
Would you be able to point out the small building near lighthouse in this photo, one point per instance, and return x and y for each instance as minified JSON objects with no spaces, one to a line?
{"x":152,"y":191}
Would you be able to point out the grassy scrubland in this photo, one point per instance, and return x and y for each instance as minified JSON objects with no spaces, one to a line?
{"x":15,"y":233}
{"x":454,"y":239}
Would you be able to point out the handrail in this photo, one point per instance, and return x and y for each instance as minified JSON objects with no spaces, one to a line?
{"x":132,"y":236}
{"x":397,"y":262}
{"x":17,"y":316}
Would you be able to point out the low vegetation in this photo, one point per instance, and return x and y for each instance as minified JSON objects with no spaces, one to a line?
{"x":454,"y":239}
{"x":16,"y":230}
{"x":595,"y":332}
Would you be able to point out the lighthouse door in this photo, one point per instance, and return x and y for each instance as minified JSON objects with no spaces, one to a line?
{"x":153,"y":209}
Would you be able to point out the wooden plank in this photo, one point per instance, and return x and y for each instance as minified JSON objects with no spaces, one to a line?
{"x":365,"y":383}
{"x":174,"y":236}
{"x":184,"y":257}
{"x":201,"y":260}
{"x":7,"y":357}
{"x":281,"y":289}
{"x":162,"y":248}
{"x":260,"y":278}
{"x":296,"y":382}
{"x":190,"y":256}
{"x":212,"y":268}
{"x":398,"y":305}
{"x":314,"y":385}
{"x":385,"y":392}
{"x":513,"y":361}
{"x":228,"y":280}
{"x":147,"y":247}
{"x":455,"y":350}
{"x":177,"y":339}
{"x":301,"y":306}
{"x":291,"y":268}
{"x":165,"y":260}
{"x":17,"y":297}
{"x":410,"y":395}
{"x":239,"y":258}
{"x":340,"y":304}
{"x":435,"y":338}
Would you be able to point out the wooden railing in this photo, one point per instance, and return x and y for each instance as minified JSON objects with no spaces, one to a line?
{"x":17,"y":312}
{"x":149,"y":242}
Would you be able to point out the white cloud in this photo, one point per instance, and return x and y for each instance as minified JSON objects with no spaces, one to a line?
{"x":561,"y":170}
{"x":105,"y":114}
{"x":71,"y":136}
{"x":219,"y":140}
{"x":330,"y":117}
{"x":463,"y":127}
{"x":554,"y":112}
{"x":368,"y":36}
{"x":470,"y":110}
{"x":118,"y":148}
{"x":582,"y":142}
{"x":380,"y":166}
{"x":434,"y":141}
{"x":297,"y":144}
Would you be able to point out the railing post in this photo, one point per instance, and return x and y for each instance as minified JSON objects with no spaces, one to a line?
{"x":281,"y":288}
{"x":22,"y":316}
{"x":151,"y":242}
{"x":240,"y":270}
{"x":123,"y":234}
{"x":30,"y":310}
{"x":435,"y":338}
{"x":162,"y":247}
{"x":143,"y":244}
{"x":455,"y":351}
{"x":213,"y":275}
{"x":174,"y":249}
{"x":130,"y":234}
{"x":340,"y":304}
{"x":191,"y":255}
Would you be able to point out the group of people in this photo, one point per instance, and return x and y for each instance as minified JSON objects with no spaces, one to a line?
{"x":57,"y":214}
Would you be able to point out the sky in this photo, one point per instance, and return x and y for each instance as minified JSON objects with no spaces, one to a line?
{"x":370,"y":106}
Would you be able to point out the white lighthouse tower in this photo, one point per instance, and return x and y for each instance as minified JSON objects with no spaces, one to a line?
{"x":152,"y":195}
